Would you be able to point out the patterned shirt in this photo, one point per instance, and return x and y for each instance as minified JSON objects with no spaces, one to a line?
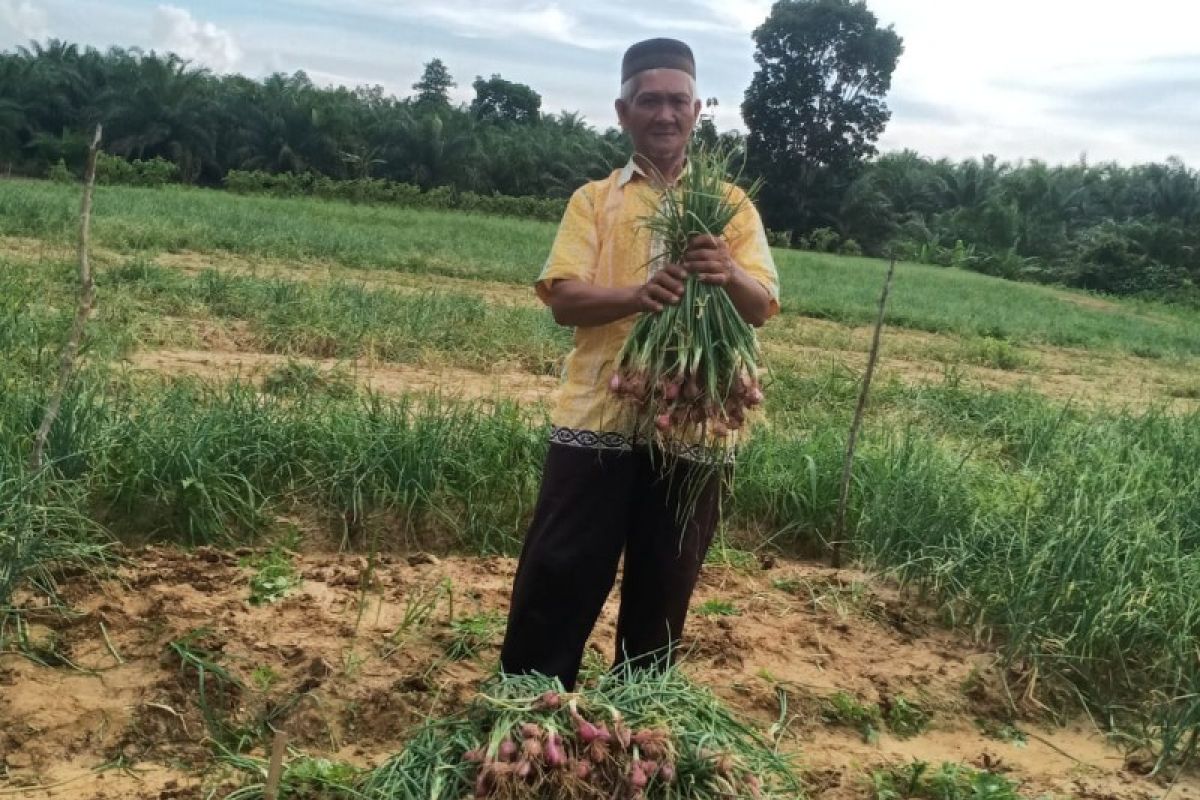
{"x":602,"y":240}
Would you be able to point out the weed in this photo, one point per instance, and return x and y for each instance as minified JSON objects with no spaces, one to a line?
{"x":843,"y":708}
{"x":472,"y":634}
{"x":948,"y":782}
{"x":717,"y":608}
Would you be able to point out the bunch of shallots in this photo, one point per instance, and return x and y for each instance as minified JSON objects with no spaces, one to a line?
{"x":691,"y":370}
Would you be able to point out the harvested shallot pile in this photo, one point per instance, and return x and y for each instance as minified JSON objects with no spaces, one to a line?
{"x":630,"y":736}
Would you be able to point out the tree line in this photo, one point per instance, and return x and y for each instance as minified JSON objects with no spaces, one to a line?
{"x":814,"y":110}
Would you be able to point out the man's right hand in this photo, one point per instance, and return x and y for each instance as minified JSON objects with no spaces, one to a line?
{"x":665,"y":287}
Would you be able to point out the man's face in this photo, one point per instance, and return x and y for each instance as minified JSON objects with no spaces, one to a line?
{"x":661,"y":115}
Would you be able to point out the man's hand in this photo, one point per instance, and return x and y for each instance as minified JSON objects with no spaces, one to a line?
{"x":709,"y":259}
{"x":664,"y":288}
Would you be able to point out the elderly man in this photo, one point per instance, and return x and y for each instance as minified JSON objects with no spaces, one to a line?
{"x":603,"y":493}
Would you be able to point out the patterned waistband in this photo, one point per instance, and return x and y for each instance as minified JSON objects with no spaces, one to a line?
{"x":609,"y":440}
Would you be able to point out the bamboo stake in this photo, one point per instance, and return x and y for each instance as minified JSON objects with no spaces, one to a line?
{"x":839,"y":528}
{"x":87,"y":298}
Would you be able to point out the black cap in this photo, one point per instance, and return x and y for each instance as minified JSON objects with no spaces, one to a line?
{"x":657,"y":54}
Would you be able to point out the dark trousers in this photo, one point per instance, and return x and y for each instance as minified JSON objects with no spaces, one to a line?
{"x":593,"y":505}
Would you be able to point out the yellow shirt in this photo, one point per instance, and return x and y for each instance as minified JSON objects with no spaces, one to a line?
{"x":602,"y":240}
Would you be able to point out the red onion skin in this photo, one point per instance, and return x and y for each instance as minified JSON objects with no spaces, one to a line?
{"x":552,"y":700}
{"x":666,"y":772}
{"x":483,"y":781}
{"x":507,"y":751}
{"x":532,"y":748}
{"x":554,"y":754}
{"x":637,"y":777}
{"x":586,"y":730}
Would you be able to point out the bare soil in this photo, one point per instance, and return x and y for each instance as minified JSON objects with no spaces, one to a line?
{"x":113,"y":713}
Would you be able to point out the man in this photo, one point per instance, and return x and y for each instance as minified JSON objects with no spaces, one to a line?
{"x":602,"y":491}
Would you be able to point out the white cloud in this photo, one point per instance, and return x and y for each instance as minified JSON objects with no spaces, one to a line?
{"x":174,"y":29}
{"x":22,"y":19}
{"x":506,"y":20}
{"x":742,"y":15}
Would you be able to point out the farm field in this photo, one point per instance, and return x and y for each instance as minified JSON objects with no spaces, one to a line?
{"x":314,"y":430}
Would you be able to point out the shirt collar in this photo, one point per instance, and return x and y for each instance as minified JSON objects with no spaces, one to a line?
{"x":632,"y":169}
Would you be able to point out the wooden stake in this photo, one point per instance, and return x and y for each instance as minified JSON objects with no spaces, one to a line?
{"x":275,"y":768}
{"x":87,"y":298}
{"x":839,"y":527}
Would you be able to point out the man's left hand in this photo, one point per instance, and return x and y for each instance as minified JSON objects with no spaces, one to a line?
{"x":708,"y":257}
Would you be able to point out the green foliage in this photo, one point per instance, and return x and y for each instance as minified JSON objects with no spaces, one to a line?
{"x":44,"y":527}
{"x":843,"y":708}
{"x":298,"y":379}
{"x":156,"y":171}
{"x":264,"y":677}
{"x":380,"y":190}
{"x":949,"y":782}
{"x":303,"y":778}
{"x":274,"y":575}
{"x":159,"y":106}
{"x":1122,"y":230}
{"x":819,"y":240}
{"x":904,"y":718}
{"x":218,"y":691}
{"x":59,"y":173}
{"x":995,"y":353}
{"x":717,"y":608}
{"x":814,"y":108}
{"x":471,"y":634}
{"x":504,"y":101}
{"x":1002,"y":731}
{"x":433,"y":89}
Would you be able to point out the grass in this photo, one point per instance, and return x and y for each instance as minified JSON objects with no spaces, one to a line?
{"x":345,"y":320}
{"x":717,"y":608}
{"x":298,"y":379}
{"x":146,"y":221}
{"x":942,"y":300}
{"x":218,"y":690}
{"x":382,"y":237}
{"x":1071,"y":537}
{"x":472,"y":634}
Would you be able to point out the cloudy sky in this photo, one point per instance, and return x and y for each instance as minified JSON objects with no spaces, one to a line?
{"x":1048,"y":79}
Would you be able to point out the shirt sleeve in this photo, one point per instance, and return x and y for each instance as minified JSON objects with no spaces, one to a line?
{"x":573,"y":254}
{"x":748,"y":244}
